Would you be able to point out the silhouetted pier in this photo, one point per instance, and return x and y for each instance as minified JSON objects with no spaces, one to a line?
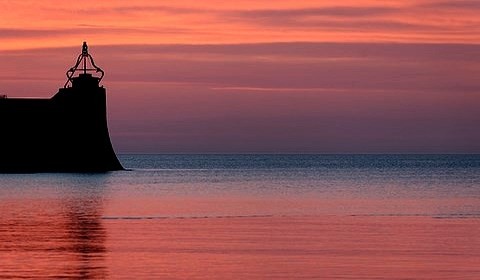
{"x":66,"y":133}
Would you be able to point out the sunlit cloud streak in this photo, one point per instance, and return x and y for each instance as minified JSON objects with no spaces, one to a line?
{"x":354,"y":66}
{"x":217,"y":22}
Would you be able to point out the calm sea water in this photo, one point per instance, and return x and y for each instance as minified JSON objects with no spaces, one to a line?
{"x":247,"y":217}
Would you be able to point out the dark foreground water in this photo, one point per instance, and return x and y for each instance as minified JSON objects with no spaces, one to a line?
{"x":247,"y":217}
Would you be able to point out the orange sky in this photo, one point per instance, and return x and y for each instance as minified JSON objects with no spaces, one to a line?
{"x":261,"y":76}
{"x":27,"y":24}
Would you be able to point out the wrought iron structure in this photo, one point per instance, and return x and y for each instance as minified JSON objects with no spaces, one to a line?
{"x":82,"y":61}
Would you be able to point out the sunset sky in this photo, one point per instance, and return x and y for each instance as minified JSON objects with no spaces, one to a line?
{"x":261,"y":76}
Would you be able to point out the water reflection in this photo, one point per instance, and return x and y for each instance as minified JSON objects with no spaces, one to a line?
{"x":57,"y":233}
{"x":400,"y":219}
{"x":86,"y":235}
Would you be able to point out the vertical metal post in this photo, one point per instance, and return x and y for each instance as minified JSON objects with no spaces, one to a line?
{"x":84,"y":56}
{"x":84,"y":65}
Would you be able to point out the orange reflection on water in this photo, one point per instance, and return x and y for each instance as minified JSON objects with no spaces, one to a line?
{"x":296,"y":247}
{"x":76,"y":242}
{"x":96,"y":227}
{"x":42,"y":239}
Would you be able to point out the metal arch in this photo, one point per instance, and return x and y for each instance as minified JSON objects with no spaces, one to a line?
{"x":83,"y":58}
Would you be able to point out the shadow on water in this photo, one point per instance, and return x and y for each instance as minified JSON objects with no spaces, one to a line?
{"x":52,"y":228}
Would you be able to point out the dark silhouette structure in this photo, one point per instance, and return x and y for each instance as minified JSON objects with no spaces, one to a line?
{"x":66,"y":133}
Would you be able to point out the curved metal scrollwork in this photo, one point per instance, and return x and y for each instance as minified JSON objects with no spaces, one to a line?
{"x":82,"y":60}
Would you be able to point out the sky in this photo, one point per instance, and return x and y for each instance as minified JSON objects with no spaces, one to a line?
{"x":259,"y":76}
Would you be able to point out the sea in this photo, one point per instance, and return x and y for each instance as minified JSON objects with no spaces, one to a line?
{"x":247,"y":216}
